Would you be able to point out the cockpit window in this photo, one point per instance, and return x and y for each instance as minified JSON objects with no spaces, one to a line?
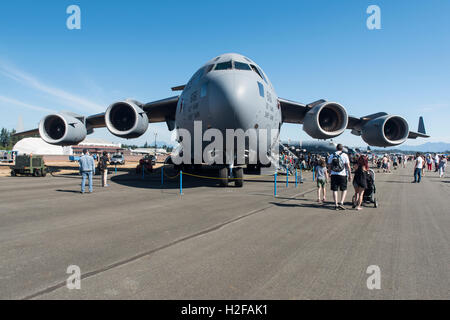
{"x":262,"y":74}
{"x":256,"y":70}
{"x":259,"y":72}
{"x":209,"y":68}
{"x":241,"y":66}
{"x":224,"y":66}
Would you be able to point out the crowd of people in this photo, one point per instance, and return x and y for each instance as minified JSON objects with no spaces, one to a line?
{"x":337,"y":169}
{"x":421,"y":160}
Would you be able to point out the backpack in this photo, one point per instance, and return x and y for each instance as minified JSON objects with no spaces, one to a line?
{"x":337,"y":165}
{"x":102,"y":164}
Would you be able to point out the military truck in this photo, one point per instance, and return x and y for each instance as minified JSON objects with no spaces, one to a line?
{"x":29,"y":165}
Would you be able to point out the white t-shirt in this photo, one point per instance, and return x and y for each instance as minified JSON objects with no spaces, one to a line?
{"x":345,"y":161}
{"x":419,"y":162}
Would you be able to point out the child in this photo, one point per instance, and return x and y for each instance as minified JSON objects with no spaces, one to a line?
{"x":321,"y":178}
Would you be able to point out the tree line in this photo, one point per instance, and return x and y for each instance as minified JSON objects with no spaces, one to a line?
{"x":147,"y":145}
{"x":7,"y":140}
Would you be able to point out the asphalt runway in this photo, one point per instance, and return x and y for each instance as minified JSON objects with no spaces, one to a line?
{"x":136,"y":240}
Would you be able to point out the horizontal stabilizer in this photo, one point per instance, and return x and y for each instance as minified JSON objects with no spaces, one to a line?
{"x":179,"y":88}
{"x":414,"y":135}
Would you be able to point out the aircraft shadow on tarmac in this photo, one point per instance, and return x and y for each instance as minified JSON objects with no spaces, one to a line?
{"x":172,"y":179}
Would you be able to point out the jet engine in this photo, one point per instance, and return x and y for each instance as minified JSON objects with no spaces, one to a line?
{"x":326,"y":120}
{"x":126,"y":119}
{"x":63,"y":129}
{"x":385,"y":131}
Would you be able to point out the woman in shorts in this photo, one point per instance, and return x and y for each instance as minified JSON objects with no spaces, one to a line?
{"x":360,"y":181}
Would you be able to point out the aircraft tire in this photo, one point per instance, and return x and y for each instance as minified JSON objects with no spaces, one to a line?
{"x":239,"y":175}
{"x":223,"y":175}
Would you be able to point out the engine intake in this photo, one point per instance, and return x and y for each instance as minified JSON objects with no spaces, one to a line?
{"x":126,"y":120}
{"x":385,"y":131}
{"x":63,"y":129}
{"x":326,"y":120}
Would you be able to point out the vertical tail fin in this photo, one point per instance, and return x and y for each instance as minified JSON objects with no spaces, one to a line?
{"x":421,"y":128}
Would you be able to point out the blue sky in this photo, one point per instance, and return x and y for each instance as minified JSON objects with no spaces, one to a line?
{"x":309,"y":50}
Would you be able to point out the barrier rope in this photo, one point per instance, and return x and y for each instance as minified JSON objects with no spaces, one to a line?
{"x":171,"y":177}
{"x":214,"y":178}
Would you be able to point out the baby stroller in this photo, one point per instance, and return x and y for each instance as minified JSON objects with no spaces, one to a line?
{"x":369,"y":192}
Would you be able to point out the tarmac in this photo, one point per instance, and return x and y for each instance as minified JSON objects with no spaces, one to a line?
{"x":139,"y":240}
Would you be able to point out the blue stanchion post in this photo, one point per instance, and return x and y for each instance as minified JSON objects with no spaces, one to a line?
{"x":162,"y":175}
{"x":115,"y":168}
{"x":275,"y":185}
{"x":181,"y":182}
{"x":314,"y":174}
{"x":287,"y":177}
{"x":296,"y":177}
{"x":301,"y":174}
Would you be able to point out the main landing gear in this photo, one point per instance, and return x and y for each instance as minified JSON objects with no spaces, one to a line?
{"x":234,"y":174}
{"x":226,"y":174}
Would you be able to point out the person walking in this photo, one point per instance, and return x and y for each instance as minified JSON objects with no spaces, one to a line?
{"x":385,"y":162}
{"x":339,"y":166}
{"x":360,"y":181}
{"x":321,"y":178}
{"x":436,"y":162}
{"x":418,"y":168}
{"x":429,"y":162}
{"x":87,"y":169}
{"x":103,"y":168}
{"x":442,"y":166}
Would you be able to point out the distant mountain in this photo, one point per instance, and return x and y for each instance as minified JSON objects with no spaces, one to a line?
{"x":426,"y":147}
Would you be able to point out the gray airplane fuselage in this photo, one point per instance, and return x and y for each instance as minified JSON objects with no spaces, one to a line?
{"x":229,"y":92}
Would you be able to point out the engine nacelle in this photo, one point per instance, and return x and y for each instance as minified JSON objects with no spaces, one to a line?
{"x":385,"y":131}
{"x":326,"y":120}
{"x":126,"y":120}
{"x":62,"y":129}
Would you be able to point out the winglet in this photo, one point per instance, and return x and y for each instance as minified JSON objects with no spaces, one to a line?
{"x":421,"y":128}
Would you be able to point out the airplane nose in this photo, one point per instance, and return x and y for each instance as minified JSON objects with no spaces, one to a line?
{"x":230,"y":102}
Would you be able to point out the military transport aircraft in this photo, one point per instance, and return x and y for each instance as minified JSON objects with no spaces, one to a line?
{"x":229,"y":92}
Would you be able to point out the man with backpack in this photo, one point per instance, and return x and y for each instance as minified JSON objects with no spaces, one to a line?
{"x":103,"y":168}
{"x":340,"y":172}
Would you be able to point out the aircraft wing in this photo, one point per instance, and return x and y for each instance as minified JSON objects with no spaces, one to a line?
{"x":356,"y":124}
{"x":157,"y":111}
{"x":161,"y":110}
{"x":294,"y":112}
{"x":28,"y":133}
